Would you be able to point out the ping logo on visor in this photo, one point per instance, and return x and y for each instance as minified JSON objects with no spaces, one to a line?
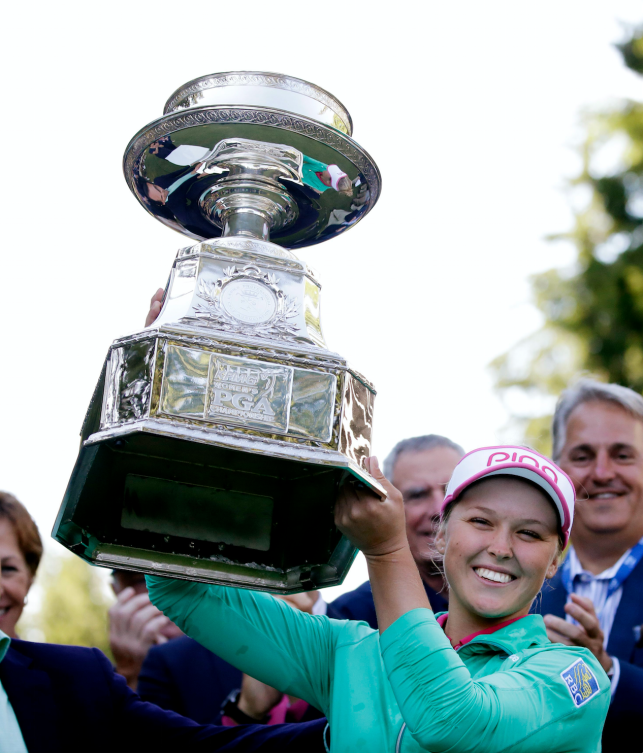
{"x":581,"y":682}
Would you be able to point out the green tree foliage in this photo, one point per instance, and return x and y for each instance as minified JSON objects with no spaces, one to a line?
{"x":72,"y":600}
{"x":593,"y":312}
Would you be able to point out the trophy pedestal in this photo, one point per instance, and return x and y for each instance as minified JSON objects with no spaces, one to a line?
{"x":217,"y":438}
{"x":150,"y":501}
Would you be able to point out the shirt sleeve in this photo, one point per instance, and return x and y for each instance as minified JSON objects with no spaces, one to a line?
{"x":445,"y":709}
{"x":257,"y":633}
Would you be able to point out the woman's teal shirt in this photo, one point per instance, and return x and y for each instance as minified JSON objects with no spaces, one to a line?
{"x":406,"y":690}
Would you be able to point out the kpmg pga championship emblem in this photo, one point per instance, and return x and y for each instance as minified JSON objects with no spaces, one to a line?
{"x":217,"y":437}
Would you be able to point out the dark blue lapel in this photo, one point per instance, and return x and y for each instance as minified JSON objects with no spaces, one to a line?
{"x":552,"y":598}
{"x":628,"y":615}
{"x":32,"y":698}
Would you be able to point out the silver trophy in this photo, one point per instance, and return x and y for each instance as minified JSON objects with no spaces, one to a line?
{"x":217,"y":437}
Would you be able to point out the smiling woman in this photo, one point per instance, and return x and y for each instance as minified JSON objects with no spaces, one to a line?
{"x":500,"y":541}
{"x":482,"y":678}
{"x":20,"y":553}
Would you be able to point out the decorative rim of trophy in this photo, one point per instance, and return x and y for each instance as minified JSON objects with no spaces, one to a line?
{"x":209,"y":90}
{"x":212,"y":109}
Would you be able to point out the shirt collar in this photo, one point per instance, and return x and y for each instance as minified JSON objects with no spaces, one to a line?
{"x":5,"y":642}
{"x":576,"y":569}
{"x":442,"y":618}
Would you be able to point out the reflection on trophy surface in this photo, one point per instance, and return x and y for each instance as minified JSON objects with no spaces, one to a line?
{"x":218,"y":436}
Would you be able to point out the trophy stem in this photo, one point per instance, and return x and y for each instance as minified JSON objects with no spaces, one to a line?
{"x":250,"y":207}
{"x":241,"y":222}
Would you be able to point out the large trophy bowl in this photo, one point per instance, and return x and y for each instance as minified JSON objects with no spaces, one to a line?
{"x":217,"y":437}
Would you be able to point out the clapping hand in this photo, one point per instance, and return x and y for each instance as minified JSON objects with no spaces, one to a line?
{"x":135,"y":625}
{"x":587,"y":633}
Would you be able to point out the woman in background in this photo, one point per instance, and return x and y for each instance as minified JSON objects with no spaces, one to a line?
{"x":20,"y":554}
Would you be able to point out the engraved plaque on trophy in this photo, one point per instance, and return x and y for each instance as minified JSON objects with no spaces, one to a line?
{"x":217,"y":437}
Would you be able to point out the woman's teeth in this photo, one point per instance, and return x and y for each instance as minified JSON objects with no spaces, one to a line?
{"x":493,"y":575}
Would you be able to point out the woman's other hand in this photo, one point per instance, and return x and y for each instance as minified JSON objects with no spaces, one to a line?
{"x":257,"y":699}
{"x":156,"y":304}
{"x":376,"y":526}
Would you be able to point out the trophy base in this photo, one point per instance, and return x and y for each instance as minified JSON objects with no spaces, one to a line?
{"x":145,"y":499}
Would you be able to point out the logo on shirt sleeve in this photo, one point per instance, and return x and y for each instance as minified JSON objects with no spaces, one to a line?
{"x":581,"y":682}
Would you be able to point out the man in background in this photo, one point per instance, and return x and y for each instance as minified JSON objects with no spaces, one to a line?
{"x":596,"y":599}
{"x":420,"y":467}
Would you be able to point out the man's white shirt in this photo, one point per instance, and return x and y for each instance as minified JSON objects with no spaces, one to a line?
{"x":595,"y":587}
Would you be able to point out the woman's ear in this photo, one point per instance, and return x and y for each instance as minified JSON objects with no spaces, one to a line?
{"x":552,"y":569}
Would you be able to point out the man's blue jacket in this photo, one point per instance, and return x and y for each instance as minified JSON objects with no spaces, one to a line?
{"x":183,"y":676}
{"x":69,"y":699}
{"x":623,"y":729}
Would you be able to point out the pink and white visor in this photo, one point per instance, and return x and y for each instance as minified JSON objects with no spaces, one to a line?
{"x":336,"y":174}
{"x":509,"y":460}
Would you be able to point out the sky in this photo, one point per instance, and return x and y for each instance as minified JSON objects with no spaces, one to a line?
{"x":472,"y":111}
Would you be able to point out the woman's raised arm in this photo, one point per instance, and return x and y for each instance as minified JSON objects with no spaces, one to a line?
{"x":261,"y":635}
{"x":378,"y":527}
